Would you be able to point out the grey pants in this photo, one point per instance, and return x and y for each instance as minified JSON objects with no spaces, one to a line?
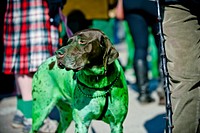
{"x":182,"y":34}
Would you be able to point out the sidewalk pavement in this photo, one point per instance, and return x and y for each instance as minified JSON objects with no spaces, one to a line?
{"x":140,"y":119}
{"x":147,"y":118}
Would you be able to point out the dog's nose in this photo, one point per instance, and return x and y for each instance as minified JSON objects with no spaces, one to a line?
{"x":59,"y":54}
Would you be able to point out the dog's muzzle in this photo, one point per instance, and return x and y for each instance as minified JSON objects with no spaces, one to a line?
{"x":60,"y":65}
{"x":59,"y":56}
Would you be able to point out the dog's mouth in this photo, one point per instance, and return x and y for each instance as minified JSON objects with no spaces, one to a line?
{"x":62,"y":66}
{"x":77,"y":69}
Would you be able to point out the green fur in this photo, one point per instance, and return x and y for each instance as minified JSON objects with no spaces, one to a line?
{"x":97,"y":90}
{"x":54,"y":86}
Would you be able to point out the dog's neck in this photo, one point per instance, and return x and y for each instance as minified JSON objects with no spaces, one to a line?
{"x":97,"y":78}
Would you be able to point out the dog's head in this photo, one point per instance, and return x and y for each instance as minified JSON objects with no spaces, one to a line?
{"x":86,"y":49}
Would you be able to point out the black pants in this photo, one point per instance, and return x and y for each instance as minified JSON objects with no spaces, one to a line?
{"x":139,"y":24}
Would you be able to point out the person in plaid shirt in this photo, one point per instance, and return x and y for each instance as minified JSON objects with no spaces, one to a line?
{"x":29,"y":39}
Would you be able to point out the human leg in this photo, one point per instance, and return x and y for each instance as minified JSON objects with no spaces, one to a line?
{"x":23,"y":116}
{"x":24,"y":85}
{"x":181,"y":29}
{"x":18,"y":118}
{"x":139,"y":31}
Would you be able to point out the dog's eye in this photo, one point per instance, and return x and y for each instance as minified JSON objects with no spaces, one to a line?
{"x":82,"y":42}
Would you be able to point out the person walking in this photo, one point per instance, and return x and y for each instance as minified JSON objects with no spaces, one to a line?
{"x":29,"y":39}
{"x":181,"y":27}
{"x":140,"y":15}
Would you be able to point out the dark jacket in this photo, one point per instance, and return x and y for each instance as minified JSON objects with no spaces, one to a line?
{"x":193,"y":5}
{"x":183,"y":1}
{"x":145,"y":6}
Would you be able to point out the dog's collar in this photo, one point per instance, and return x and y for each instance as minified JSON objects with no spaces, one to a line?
{"x":106,"y":89}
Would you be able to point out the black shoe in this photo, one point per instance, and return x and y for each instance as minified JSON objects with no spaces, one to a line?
{"x":161,"y":101}
{"x":145,"y":99}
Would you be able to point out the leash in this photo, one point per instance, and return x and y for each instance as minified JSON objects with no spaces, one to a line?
{"x":107,"y":88}
{"x":168,"y":105}
{"x":105,"y":108}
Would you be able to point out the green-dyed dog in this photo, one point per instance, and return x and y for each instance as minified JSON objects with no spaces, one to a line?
{"x":94,"y":87}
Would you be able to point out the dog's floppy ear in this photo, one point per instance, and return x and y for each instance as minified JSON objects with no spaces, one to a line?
{"x":110,"y":52}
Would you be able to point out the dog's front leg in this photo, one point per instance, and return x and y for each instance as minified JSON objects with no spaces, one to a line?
{"x":116,"y":128}
{"x":65,"y":116}
{"x":44,"y":100}
{"x":81,"y":128}
{"x":40,"y":112}
{"x":81,"y":125}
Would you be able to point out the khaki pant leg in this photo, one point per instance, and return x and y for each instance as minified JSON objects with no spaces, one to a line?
{"x":182,"y":34}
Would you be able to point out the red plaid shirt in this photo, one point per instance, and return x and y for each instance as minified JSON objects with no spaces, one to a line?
{"x":29,"y":39}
